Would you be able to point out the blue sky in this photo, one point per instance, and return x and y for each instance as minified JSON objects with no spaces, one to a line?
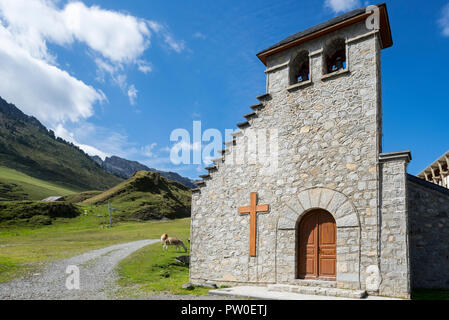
{"x":117,"y":77}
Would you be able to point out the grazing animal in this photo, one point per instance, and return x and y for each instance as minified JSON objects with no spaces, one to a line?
{"x":168,"y":241}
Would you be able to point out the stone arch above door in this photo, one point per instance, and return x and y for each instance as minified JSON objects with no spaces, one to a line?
{"x":336,"y":203}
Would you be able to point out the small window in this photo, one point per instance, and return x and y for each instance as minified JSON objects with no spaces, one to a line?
{"x":300,"y":68}
{"x":335,"y":56}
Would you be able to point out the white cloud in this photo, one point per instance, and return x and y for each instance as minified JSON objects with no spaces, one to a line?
{"x":161,"y":163}
{"x":444,"y":20}
{"x":144,"y":66}
{"x":32,"y":79}
{"x":148,"y":151}
{"x":342,"y":5}
{"x":166,"y":149}
{"x":97,"y":140}
{"x":116,"y":36}
{"x":132,"y":94}
{"x":41,"y":89}
{"x":175,"y":45}
{"x":183,"y":145}
{"x":199,"y":35}
{"x":115,"y":72}
{"x":63,"y":133}
{"x":32,"y":23}
{"x":155,"y":26}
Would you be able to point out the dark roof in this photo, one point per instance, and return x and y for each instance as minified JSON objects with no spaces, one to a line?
{"x":427,"y":184}
{"x":384,"y":25}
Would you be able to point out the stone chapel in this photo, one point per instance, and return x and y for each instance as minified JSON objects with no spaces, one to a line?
{"x":338,"y":217}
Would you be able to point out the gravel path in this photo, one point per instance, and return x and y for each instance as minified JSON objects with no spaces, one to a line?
{"x":96,"y":270}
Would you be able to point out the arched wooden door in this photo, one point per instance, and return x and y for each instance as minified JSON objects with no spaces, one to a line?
{"x":317,"y":246}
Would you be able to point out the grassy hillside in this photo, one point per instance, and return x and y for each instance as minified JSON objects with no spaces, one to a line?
{"x":34,"y":213}
{"x":145,"y":196}
{"x":27,"y":146}
{"x":80,"y":197}
{"x":15,"y":185}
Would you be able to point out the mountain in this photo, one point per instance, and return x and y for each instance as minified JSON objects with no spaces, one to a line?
{"x":145,"y":196}
{"x":28,"y":147}
{"x":126,"y":168}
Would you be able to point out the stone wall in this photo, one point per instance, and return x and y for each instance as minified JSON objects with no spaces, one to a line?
{"x":394,"y":239}
{"x":328,"y":134}
{"x":429,"y":234}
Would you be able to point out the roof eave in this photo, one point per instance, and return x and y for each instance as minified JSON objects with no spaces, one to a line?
{"x":435,"y":163}
{"x":385,"y":30}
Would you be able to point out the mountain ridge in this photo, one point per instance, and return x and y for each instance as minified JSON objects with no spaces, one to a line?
{"x":126,"y":168}
{"x":27,"y":146}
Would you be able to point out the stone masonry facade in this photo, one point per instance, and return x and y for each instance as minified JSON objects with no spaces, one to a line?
{"x":328,"y":132}
{"x":429,"y":234}
{"x":394,"y":232}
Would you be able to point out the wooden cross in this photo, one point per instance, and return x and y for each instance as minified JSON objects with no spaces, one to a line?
{"x":253,"y":209}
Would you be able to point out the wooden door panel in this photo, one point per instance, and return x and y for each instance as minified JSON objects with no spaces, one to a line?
{"x":317,"y":254}
{"x":310,"y":267}
{"x":308,"y":247}
{"x":327,"y":268}
{"x":327,"y":252}
{"x":327,"y":246}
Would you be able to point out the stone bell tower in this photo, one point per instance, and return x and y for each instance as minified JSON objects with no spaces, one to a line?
{"x":327,"y":79}
{"x":324,"y":99}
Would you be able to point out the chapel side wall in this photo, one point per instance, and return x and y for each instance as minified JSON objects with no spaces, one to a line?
{"x":394,"y":240}
{"x":429,"y":234}
{"x":328,"y":138}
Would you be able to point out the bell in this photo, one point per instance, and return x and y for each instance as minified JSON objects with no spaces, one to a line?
{"x":303,"y":74}
{"x":338,"y":63}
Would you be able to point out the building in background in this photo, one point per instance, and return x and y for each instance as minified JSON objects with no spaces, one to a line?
{"x":438,"y":171}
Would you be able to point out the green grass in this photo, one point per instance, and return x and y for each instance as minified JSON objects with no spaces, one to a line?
{"x":82,"y":196}
{"x":27,"y":243}
{"x":25,"y":249}
{"x":34,"y":213}
{"x":152,"y":270}
{"x":15,"y":185}
{"x":430,"y":294}
{"x":8,"y":269}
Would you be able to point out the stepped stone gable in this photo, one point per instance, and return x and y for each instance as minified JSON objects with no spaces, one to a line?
{"x":328,"y":130}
